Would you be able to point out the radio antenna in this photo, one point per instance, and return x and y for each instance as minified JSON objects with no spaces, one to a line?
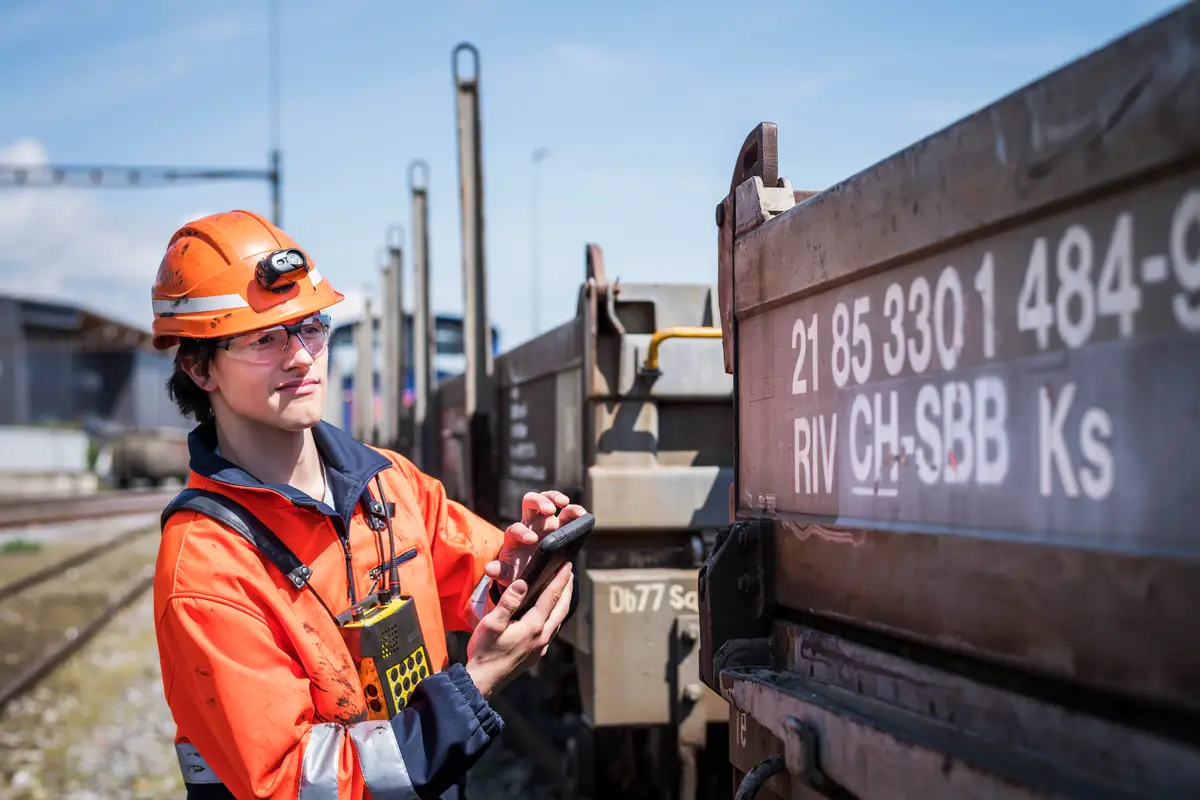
{"x":393,"y":582}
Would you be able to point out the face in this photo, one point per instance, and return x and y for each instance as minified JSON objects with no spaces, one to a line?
{"x":272,"y":377}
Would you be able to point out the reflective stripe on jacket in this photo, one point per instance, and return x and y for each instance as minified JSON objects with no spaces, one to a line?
{"x":262,"y":688}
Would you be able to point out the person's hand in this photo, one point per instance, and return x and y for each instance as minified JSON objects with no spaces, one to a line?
{"x":501,"y":648}
{"x":539,"y":516}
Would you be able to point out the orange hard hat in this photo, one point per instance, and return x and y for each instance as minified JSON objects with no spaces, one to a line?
{"x":230,"y":273}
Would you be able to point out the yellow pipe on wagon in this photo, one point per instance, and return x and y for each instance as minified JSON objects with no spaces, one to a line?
{"x":681,"y":332}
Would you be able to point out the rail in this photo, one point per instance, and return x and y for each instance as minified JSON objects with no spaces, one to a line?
{"x":60,"y":567}
{"x":681,"y":332}
{"x":39,"y":664}
{"x":52,"y":658}
{"x":51,"y":510}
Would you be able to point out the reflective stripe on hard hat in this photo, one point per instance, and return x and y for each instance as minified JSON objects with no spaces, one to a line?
{"x":217,"y":302}
{"x":199,"y":305}
{"x":193,"y":766}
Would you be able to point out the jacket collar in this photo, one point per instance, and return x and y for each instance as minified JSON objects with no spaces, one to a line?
{"x":349,"y":463}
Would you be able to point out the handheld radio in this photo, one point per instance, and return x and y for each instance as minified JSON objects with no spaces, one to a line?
{"x":383,"y":634}
{"x":384,"y":638}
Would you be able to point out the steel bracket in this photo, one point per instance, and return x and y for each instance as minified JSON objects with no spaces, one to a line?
{"x":688,"y":709}
{"x":741,"y":653}
{"x":735,"y":594}
{"x":756,"y":203}
{"x":687,"y":706}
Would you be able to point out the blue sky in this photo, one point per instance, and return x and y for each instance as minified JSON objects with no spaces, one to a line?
{"x":643,"y":106}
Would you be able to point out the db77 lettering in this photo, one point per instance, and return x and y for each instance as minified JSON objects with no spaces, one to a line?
{"x":641,"y":598}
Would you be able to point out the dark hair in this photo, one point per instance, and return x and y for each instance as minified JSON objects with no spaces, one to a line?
{"x":192,"y":400}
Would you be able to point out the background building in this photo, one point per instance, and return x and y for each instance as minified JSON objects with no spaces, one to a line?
{"x":62,"y":364}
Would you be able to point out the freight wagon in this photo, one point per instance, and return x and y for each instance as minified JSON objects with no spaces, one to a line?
{"x":964,"y":560}
{"x":627,"y":409}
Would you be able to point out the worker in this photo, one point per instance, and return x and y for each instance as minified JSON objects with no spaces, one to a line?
{"x":260,"y":681}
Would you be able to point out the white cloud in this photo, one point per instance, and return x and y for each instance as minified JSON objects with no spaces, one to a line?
{"x":24,"y":153}
{"x":59,"y":244}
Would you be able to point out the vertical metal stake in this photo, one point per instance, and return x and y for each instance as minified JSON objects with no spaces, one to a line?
{"x":277,"y":188}
{"x":477,"y":332}
{"x":364,"y":376}
{"x":423,"y":333}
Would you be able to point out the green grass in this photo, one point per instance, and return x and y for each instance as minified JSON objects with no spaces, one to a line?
{"x":19,"y":546}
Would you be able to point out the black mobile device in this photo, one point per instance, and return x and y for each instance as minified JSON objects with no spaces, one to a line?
{"x":554,"y":550}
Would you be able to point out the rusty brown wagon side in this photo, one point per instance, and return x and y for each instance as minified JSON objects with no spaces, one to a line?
{"x":967,"y":398}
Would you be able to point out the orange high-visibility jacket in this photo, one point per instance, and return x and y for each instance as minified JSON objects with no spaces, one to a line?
{"x":264,"y":693}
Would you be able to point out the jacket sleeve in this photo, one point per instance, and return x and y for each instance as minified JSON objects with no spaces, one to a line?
{"x":243,"y":703}
{"x":461,"y":543}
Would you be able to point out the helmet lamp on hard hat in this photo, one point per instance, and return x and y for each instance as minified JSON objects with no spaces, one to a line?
{"x":230,"y":273}
{"x":280,"y":269}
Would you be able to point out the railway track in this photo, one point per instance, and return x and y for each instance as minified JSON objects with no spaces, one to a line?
{"x":25,"y":512}
{"x":48,"y":613}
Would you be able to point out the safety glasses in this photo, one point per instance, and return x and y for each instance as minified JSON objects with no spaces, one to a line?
{"x":267,"y":345}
